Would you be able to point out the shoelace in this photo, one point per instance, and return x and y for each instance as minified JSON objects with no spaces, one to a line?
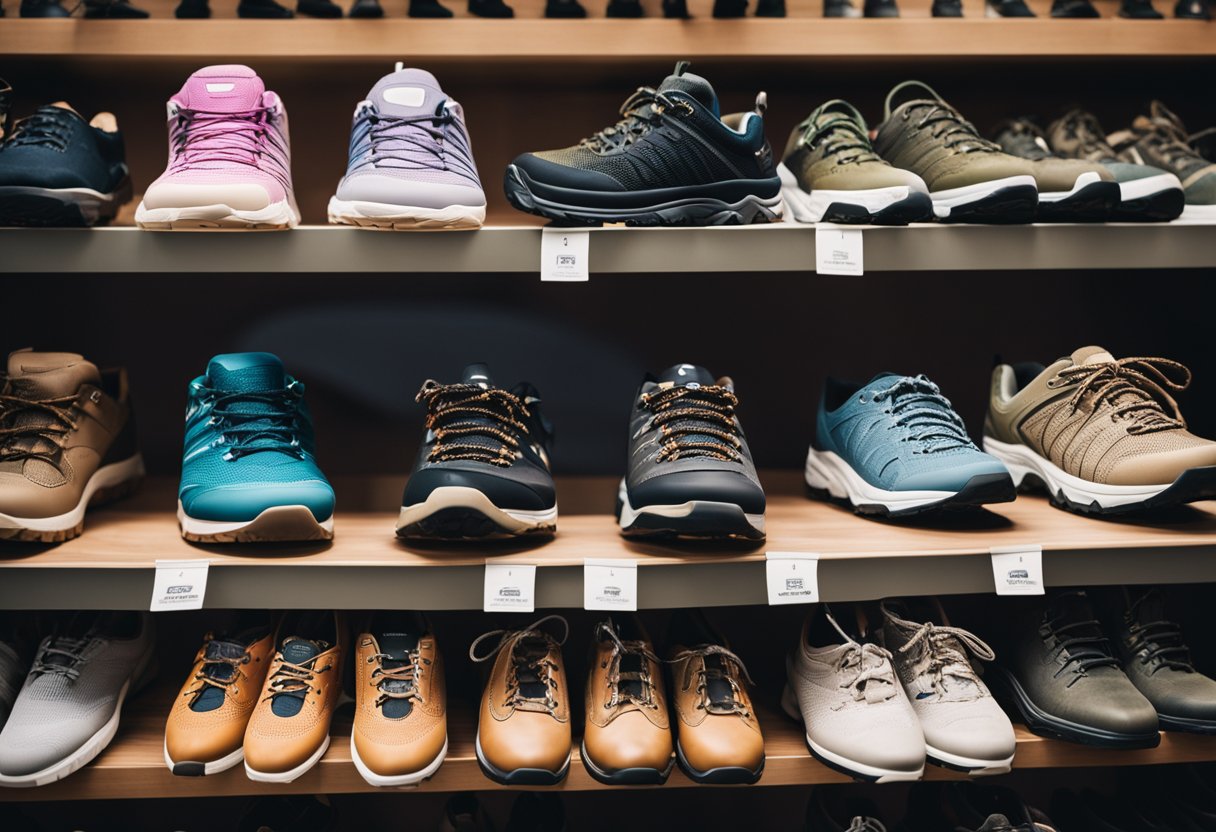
{"x":1159,"y":642}
{"x":71,"y":650}
{"x":46,"y":127}
{"x":14,"y":429}
{"x":460,"y":414}
{"x":206,"y":677}
{"x":1134,"y":388}
{"x":1166,"y":134}
{"x":729,"y":668}
{"x":918,"y":405}
{"x":229,"y":138}
{"x":246,"y":432}
{"x":1081,"y":653}
{"x":863,"y":824}
{"x":1085,"y":129}
{"x":1027,"y":140}
{"x":840,"y":137}
{"x":410,"y":142}
{"x":539,"y":669}
{"x":873,"y":679}
{"x":640,"y":112}
{"x":621,"y":648}
{"x":695,"y":421}
{"x":956,"y":134}
{"x":295,"y":680}
{"x":940,"y":657}
{"x":408,"y":674}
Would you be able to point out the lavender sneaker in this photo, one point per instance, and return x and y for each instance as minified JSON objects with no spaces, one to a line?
{"x":229,"y":158}
{"x":411,"y":165}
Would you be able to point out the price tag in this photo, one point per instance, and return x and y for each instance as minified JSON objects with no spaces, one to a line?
{"x":793,"y":577}
{"x":179,"y":585}
{"x":838,"y":250}
{"x":564,"y":255}
{"x":610,"y":585}
{"x":510,"y":587}
{"x":1018,"y":570}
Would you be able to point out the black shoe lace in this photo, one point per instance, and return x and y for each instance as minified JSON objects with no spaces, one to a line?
{"x":1085,"y":651}
{"x":47,"y":127}
{"x":840,"y":137}
{"x":639,"y":114}
{"x":948,"y":126}
{"x":1157,"y":643}
{"x":1136,"y":389}
{"x":917,"y":404}
{"x":462,"y":417}
{"x":695,"y":421}
{"x":271,"y":425}
{"x":23,"y":431}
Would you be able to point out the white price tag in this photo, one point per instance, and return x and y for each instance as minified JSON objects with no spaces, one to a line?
{"x":610,"y":585}
{"x":838,"y":250}
{"x":179,"y":585}
{"x":793,"y":577}
{"x":564,"y":255}
{"x":1018,"y":570}
{"x":510,"y":587}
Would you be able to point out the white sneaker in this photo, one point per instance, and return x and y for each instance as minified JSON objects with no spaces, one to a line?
{"x":858,"y":719}
{"x":965,"y":729}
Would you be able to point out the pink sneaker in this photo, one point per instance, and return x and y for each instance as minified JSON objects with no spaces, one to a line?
{"x":229,"y":157}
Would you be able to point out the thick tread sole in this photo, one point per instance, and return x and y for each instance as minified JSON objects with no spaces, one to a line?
{"x":406,"y":225}
{"x":288,"y":524}
{"x":100,"y":497}
{"x":1015,"y":205}
{"x":459,"y":523}
{"x":916,"y":208}
{"x":1096,"y":202}
{"x":521,"y":776}
{"x":212,"y":225}
{"x":626,"y":776}
{"x":44,"y":208}
{"x":1159,"y":207}
{"x":981,"y":490}
{"x":1190,"y":487}
{"x":708,"y":521}
{"x":721,"y":776}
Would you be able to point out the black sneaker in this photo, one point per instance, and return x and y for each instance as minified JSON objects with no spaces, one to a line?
{"x":725,"y":9}
{"x":840,"y":8}
{"x":429,"y":9}
{"x":490,"y":8}
{"x":676,"y":9}
{"x":947,"y":8}
{"x":112,"y":10}
{"x":770,"y":8}
{"x":690,"y":473}
{"x":192,"y":10}
{"x":43,"y":8}
{"x":1008,"y":8}
{"x":1193,"y":10}
{"x":624,"y":8}
{"x":1139,"y":10}
{"x":483,"y":468}
{"x":366,"y":10}
{"x":671,"y":160}
{"x":1073,"y":9}
{"x":565,"y":9}
{"x":56,"y":169}
{"x":263,"y":10}
{"x":323,"y":9}
{"x":881,"y":8}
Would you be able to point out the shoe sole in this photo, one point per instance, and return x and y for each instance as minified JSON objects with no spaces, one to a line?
{"x":828,"y":474}
{"x":288,"y":776}
{"x":1151,"y":199}
{"x":461,"y":513}
{"x":1075,"y":494}
{"x":108,"y":483}
{"x":1199,"y":212}
{"x":279,"y":524}
{"x":392,"y":780}
{"x":60,"y":207}
{"x":521,"y":776}
{"x":721,"y":776}
{"x":968,"y":765}
{"x":1186,"y":724}
{"x":1009,"y":201}
{"x":874,"y":206}
{"x":199,"y":768}
{"x":1046,"y":725}
{"x":626,"y":776}
{"x":379,"y":216}
{"x":682,"y":211}
{"x":693,"y":520}
{"x":1090,"y":200}
{"x":278,"y":216}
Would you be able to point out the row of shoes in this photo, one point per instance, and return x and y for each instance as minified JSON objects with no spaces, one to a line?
{"x":411,"y":167}
{"x":892,"y":447}
{"x":1132,"y":9}
{"x":371,"y":9}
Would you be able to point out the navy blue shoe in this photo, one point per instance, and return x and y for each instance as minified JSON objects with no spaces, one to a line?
{"x":56,"y":169}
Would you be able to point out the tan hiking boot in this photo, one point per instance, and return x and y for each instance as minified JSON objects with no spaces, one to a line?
{"x":1104,"y":436}
{"x":67,"y":441}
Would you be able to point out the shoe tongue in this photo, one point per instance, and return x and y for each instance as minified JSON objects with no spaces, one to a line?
{"x":396,"y":647}
{"x":407,"y":92}
{"x":246,"y":372}
{"x":996,"y":823}
{"x":299,"y":650}
{"x":231,"y":88}
{"x":1070,"y":608}
{"x":210,"y":697}
{"x":478,"y":374}
{"x":49,"y":374}
{"x":694,"y":86}
{"x":1092,"y":355}
{"x":1148,"y":606}
{"x":682,"y":374}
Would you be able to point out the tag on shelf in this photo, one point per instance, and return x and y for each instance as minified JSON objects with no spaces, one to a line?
{"x":610,"y":584}
{"x":838,"y":250}
{"x":1018,"y":570}
{"x":179,"y":585}
{"x":564,"y":255}
{"x":793,"y":577}
{"x":510,"y":587}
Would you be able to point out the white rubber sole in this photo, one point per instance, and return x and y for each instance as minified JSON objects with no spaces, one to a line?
{"x":454,"y":496}
{"x":385,"y":217}
{"x":1021,"y":460}
{"x":1206,"y":213}
{"x":108,"y":476}
{"x":629,"y":515}
{"x":828,"y":472}
{"x":384,"y":781}
{"x":213,"y":767}
{"x":971,"y":765}
{"x":288,"y":776}
{"x":811,"y":207}
{"x":1083,"y":181}
{"x":944,"y":202}
{"x":1148,"y":186}
{"x":277,"y":216}
{"x":278,"y":524}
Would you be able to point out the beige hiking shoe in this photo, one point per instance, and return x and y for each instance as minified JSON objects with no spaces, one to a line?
{"x":1104,"y":436}
{"x":67,"y":441}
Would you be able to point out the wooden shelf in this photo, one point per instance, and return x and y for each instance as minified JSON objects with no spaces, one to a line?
{"x":780,"y":247}
{"x":112,"y":565}
{"x":133,"y":766}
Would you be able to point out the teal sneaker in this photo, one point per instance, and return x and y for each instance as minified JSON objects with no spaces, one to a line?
{"x":895,"y":447}
{"x":248,"y":470}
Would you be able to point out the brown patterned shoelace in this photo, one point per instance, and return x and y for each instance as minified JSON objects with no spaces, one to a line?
{"x":718,"y":663}
{"x":1135,"y":388}
{"x":695,"y":422}
{"x":530,"y":666}
{"x":622,"y":683}
{"x":468,"y":421}
{"x":19,"y":420}
{"x":294,"y":679}
{"x":207,"y":679}
{"x":399,"y":681}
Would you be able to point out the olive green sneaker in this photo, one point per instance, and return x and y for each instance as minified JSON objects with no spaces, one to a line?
{"x":970,"y":179}
{"x":1146,"y":194}
{"x":1160,"y":139}
{"x":1103,"y":436}
{"x":830,"y":173}
{"x":1070,"y":190}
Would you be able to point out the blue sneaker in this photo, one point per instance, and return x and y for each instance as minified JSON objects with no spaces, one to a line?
{"x":895,"y":447}
{"x":248,"y":470}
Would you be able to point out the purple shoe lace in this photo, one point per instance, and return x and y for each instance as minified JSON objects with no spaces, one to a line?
{"x":209,"y":140}
{"x":425,"y":142}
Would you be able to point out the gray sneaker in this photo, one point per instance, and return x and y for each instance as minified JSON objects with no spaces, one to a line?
{"x":1070,"y":190}
{"x":1146,"y":194}
{"x":1160,"y":139}
{"x":965,"y":729}
{"x":68,"y":710}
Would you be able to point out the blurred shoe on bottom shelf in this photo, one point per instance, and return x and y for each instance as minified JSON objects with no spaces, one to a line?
{"x":970,"y":807}
{"x":464,"y":814}
{"x":826,"y":811}
{"x":294,"y":813}
{"x":537,"y":812}
{"x":288,"y":731}
{"x":205,"y":732}
{"x":14,"y":663}
{"x":68,"y":710}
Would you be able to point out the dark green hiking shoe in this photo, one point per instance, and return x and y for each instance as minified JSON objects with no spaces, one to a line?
{"x":1160,"y":139}
{"x":1070,"y":190}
